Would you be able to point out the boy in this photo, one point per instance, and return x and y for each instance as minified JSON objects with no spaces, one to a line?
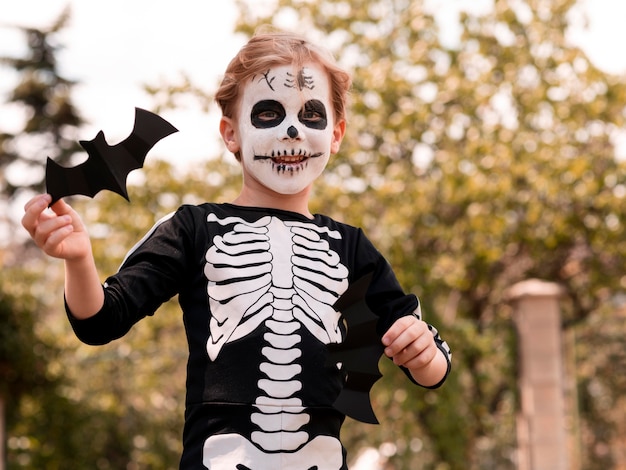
{"x":256,"y":277}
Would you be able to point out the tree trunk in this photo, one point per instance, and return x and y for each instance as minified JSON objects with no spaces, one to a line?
{"x":3,"y":437}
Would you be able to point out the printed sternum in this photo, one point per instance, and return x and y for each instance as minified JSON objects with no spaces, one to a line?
{"x":280,"y":366}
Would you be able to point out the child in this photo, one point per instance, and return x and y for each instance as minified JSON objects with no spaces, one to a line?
{"x":256,"y":277}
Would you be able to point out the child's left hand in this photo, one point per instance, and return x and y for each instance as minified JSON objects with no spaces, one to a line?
{"x":409,"y":343}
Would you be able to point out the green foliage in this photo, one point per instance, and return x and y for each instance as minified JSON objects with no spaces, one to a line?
{"x":471,"y":169}
{"x":22,"y":354}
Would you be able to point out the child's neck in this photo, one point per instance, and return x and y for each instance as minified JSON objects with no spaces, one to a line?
{"x":298,"y":203}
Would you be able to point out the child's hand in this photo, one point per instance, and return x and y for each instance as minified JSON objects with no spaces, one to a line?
{"x":58,"y":232}
{"x":409,"y":343}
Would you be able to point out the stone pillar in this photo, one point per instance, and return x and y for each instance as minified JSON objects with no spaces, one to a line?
{"x":541,"y":424}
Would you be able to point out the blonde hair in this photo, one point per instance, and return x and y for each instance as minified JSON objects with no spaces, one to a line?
{"x":267,"y":49}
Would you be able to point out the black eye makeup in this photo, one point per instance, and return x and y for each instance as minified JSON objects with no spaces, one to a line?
{"x":313,"y":115}
{"x":270,"y":113}
{"x":266,"y":114}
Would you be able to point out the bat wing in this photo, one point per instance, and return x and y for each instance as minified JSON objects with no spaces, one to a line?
{"x":107,"y":167}
{"x":358,"y":354}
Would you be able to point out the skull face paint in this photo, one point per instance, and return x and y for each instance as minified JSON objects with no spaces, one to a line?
{"x":286,"y":127}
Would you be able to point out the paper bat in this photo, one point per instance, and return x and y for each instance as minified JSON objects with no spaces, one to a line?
{"x":108,"y":165}
{"x":358,"y":354}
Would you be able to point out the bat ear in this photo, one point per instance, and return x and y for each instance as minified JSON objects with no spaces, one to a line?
{"x":229,"y":134}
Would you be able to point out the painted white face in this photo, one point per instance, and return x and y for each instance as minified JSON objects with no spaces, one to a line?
{"x":286,"y":127}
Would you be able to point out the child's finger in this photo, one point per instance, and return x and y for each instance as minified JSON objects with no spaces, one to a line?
{"x":32,"y":212}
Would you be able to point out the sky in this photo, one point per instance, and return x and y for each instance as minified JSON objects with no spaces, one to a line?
{"x":115,"y":47}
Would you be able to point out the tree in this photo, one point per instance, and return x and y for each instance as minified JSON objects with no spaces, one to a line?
{"x":66,"y":397}
{"x":51,"y":118}
{"x":44,"y":95}
{"x":473,"y":168}
{"x":45,"y":424}
{"x":22,"y":356}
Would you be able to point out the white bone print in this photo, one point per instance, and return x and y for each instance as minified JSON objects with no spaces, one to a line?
{"x":283,"y":275}
{"x":231,"y":451}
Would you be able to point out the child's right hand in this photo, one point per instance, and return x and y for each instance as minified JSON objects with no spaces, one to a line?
{"x":59,"y":232}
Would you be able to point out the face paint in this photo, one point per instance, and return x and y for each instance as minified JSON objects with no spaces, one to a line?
{"x":285,"y":127}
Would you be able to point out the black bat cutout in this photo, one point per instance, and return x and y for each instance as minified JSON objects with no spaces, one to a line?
{"x":358,"y":354}
{"x":108,"y":166}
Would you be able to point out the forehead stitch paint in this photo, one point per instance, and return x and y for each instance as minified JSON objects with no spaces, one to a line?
{"x":300,"y":81}
{"x":267,"y":79}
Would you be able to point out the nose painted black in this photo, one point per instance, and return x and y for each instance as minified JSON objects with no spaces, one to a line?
{"x":292,"y":132}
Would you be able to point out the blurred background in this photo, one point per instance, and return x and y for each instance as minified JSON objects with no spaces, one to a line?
{"x":485,"y":148}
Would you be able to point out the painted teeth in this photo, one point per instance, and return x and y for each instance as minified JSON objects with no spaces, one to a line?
{"x":288,"y":159}
{"x":289,"y":156}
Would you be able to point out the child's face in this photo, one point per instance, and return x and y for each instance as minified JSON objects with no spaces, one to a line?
{"x":286,"y":130}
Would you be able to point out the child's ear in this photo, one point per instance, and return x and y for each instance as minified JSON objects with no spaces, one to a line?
{"x":338,"y":132}
{"x":229,"y":134}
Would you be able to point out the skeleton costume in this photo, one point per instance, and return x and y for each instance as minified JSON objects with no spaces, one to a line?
{"x":256,"y":287}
